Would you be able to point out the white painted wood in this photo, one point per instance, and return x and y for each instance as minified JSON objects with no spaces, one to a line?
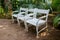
{"x":38,"y":22}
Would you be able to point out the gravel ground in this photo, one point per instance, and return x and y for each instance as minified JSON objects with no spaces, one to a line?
{"x":11,"y":31}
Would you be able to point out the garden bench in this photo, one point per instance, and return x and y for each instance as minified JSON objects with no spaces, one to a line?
{"x":32,"y":18}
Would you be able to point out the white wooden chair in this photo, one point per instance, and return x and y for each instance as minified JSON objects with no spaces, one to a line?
{"x":30,"y":16}
{"x":21,"y":15}
{"x":20,"y":12}
{"x":14,"y":15}
{"x":38,"y":21}
{"x":26,"y":15}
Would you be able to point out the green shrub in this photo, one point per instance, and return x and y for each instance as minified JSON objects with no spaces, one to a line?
{"x":56,"y":5}
{"x":1,"y":10}
{"x":56,"y":21}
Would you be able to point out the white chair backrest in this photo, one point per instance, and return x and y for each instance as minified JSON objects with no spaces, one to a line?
{"x":41,"y":11}
{"x":24,"y":10}
{"x":33,"y":12}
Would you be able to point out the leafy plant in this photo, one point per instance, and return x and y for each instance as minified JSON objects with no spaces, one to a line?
{"x":1,"y":10}
{"x":15,"y":4}
{"x":56,"y":5}
{"x":56,"y":21}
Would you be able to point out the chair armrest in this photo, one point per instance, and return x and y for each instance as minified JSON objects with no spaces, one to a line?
{"x":42,"y":17}
{"x":28,"y":15}
{"x":39,"y":19}
{"x":22,"y":12}
{"x":14,"y":12}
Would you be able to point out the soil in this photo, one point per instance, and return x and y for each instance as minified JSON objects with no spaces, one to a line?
{"x":11,"y":31}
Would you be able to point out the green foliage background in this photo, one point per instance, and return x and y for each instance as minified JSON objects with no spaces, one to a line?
{"x":16,"y":4}
{"x":56,"y":5}
{"x":56,"y":21}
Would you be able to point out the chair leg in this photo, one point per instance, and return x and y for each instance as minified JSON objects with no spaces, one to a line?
{"x":26,"y":28}
{"x":18,"y":21}
{"x":12,"y":19}
{"x":46,"y":27}
{"x":37,"y":32}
